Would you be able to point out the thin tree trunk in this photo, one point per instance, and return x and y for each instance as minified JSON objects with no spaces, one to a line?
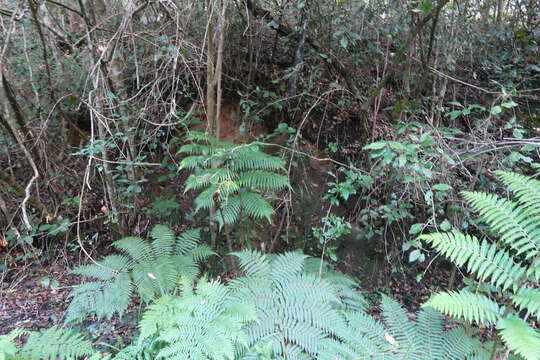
{"x":398,"y":59}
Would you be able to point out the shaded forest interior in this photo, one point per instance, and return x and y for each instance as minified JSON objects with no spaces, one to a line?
{"x":255,"y":179}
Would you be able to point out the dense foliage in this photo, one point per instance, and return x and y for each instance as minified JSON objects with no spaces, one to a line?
{"x":509,"y":266}
{"x":244,"y":151}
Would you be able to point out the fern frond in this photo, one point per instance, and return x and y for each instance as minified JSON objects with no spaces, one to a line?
{"x":253,"y":263}
{"x":205,"y":200}
{"x":56,"y":343}
{"x":187,"y":241}
{"x":229,"y":211}
{"x":430,"y":330}
{"x":202,"y":324}
{"x":403,"y":330}
{"x":257,"y":160}
{"x":465,"y":305}
{"x":192,"y":162}
{"x":208,"y":177}
{"x":481,"y":258}
{"x":256,"y":206}
{"x":8,"y":348}
{"x":103,"y":299}
{"x":135,"y":247}
{"x":515,"y":225}
{"x":152,"y":268}
{"x":457,"y":345}
{"x":528,"y":298}
{"x":366,"y":334}
{"x":526,"y":189}
{"x":108,"y":269}
{"x":286,"y":265}
{"x":155,"y":278}
{"x":520,"y":337}
{"x":164,"y":239}
{"x":263,"y":180}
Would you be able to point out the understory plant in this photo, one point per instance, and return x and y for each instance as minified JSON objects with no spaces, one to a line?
{"x":507,"y":266}
{"x":149,"y":269}
{"x":234,"y":180}
{"x":53,"y":343}
{"x":289,"y":306}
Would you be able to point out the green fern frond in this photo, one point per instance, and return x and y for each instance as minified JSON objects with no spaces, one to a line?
{"x":164,"y":239}
{"x":457,"y":345}
{"x":108,"y":269}
{"x":155,"y":278}
{"x":208,"y":177}
{"x":253,"y":263}
{"x":187,"y":241}
{"x":526,"y":189}
{"x":200,"y":253}
{"x":56,"y":343}
{"x":205,"y":200}
{"x":103,"y":299}
{"x":515,"y":226}
{"x":520,"y":337}
{"x":263,"y":180}
{"x":465,"y":305}
{"x":430,"y":330}
{"x":151,"y":268}
{"x":257,"y":160}
{"x":403,"y":330}
{"x":229,"y":211}
{"x":482,"y":258}
{"x":192,"y":162}
{"x":286,"y":265}
{"x":8,"y":348}
{"x":202,"y":324}
{"x":135,"y":247}
{"x":237,"y":177}
{"x":256,"y":206}
{"x":528,"y":298}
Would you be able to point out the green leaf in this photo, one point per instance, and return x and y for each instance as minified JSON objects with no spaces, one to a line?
{"x":442,"y":187}
{"x":509,"y":104}
{"x":467,"y":306}
{"x":445,"y":225}
{"x":496,"y":110}
{"x":415,"y":255}
{"x":375,"y":146}
{"x":416,"y":228}
{"x":344,"y":42}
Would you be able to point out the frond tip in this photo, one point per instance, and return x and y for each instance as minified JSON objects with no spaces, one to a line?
{"x":520,"y":337}
{"x":467,"y":306}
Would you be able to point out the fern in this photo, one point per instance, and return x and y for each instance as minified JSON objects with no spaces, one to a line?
{"x":289,"y":306}
{"x":467,"y":306}
{"x":510,"y":264}
{"x":482,"y":258}
{"x":203,"y":323}
{"x":520,"y":337}
{"x":237,"y":178}
{"x":399,"y":338}
{"x":53,"y":343}
{"x":150,"y":269}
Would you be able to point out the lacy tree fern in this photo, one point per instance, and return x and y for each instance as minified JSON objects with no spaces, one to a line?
{"x":289,"y":307}
{"x":237,"y":178}
{"x":53,"y":343}
{"x":309,"y":312}
{"x":149,"y":268}
{"x":203,"y":323}
{"x":511,"y":265}
{"x":398,"y":338}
